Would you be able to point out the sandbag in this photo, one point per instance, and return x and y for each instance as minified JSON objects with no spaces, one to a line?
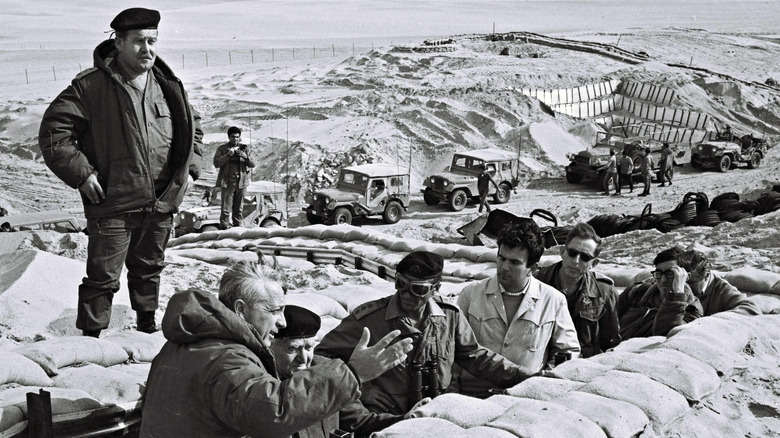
{"x":446,"y":250}
{"x":233,"y":233}
{"x":280,"y":232}
{"x":9,"y":416}
{"x":319,"y":304}
{"x":502,"y":400}
{"x":616,"y":418}
{"x":759,"y":325}
{"x":181,"y":240}
{"x":768,"y":303}
{"x":622,"y":276}
{"x":703,"y":422}
{"x":636,"y":345}
{"x":725,"y":362}
{"x":729,"y":335}
{"x":355,"y":234}
{"x":419,"y":428}
{"x":462,"y":410}
{"x":327,"y":323}
{"x":540,"y":419}
{"x":140,"y":346}
{"x":543,"y":388}
{"x":60,"y":352}
{"x":475,"y":270}
{"x":473,"y":253}
{"x":310,"y":231}
{"x":335,"y":232}
{"x":484,"y":432}
{"x":488,"y":257}
{"x":108,"y":386}
{"x":750,"y":279}
{"x":350,"y":296}
{"x":255,"y":233}
{"x":63,"y":400}
{"x":404,"y":245}
{"x":580,"y":370}
{"x":660,"y":403}
{"x":15,"y":368}
{"x":139,"y":370}
{"x":216,"y":256}
{"x":690,"y":377}
{"x":612,"y":358}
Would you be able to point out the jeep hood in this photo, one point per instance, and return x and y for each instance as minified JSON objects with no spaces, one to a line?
{"x":200,"y":210}
{"x":338,"y":195}
{"x":457,"y":178}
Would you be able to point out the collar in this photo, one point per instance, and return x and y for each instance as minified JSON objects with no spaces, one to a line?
{"x":394,"y":309}
{"x":707,"y":282}
{"x":502,"y":290}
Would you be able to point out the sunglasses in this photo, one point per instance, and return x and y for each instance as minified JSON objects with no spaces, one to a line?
{"x":585,"y":257}
{"x":417,"y":288}
{"x":668,"y":274}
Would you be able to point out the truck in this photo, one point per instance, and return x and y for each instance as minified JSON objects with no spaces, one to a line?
{"x":725,"y":154}
{"x":457,"y":185}
{"x":362,"y":191}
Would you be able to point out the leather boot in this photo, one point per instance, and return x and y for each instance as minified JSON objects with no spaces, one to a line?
{"x":91,"y":333}
{"x":145,"y":321}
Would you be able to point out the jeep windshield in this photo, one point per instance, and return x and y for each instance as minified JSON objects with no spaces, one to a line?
{"x":353,"y":182}
{"x":469,"y":164}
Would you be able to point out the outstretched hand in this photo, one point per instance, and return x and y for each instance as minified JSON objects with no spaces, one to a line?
{"x":371,"y":362}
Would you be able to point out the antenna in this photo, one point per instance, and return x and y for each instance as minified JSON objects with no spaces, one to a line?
{"x":287,"y":168}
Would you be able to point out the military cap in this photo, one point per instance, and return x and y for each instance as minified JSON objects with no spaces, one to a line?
{"x":136,"y":18}
{"x":301,"y":323}
{"x":421,"y":265}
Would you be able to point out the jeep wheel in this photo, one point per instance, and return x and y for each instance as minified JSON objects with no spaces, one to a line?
{"x":755,"y":160}
{"x":458,"y":200}
{"x":430,"y":198}
{"x":695,"y":163}
{"x":209,"y":228}
{"x":393,"y":212}
{"x":573,"y":178}
{"x":270,"y":223}
{"x":313,"y":219}
{"x":502,"y":194}
{"x":724,"y":164}
{"x":342,"y":216}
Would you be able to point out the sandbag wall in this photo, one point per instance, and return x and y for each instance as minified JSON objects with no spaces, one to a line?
{"x":583,"y":102}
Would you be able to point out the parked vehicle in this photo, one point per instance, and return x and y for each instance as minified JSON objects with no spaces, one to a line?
{"x":362,"y":191}
{"x":60,"y":221}
{"x":264,"y":205}
{"x":458,"y":184}
{"x":724,"y":154}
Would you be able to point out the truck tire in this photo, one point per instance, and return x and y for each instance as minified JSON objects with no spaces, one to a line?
{"x":270,"y":223}
{"x":503,"y":193}
{"x":430,"y":198}
{"x":695,"y":163}
{"x":458,"y":200}
{"x":342,"y":216}
{"x":724,"y":164}
{"x":313,"y":219}
{"x":393,"y":212}
{"x":755,"y":160}
{"x":573,"y":178}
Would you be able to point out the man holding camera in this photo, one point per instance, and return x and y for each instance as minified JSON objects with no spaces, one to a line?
{"x":234,"y":162}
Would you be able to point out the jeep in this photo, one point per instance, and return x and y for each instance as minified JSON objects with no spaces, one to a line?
{"x":60,"y":221}
{"x":458,"y":184}
{"x":723,"y":154}
{"x":362,"y":191}
{"x":264,"y":206}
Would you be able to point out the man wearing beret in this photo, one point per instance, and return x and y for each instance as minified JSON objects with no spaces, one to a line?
{"x":124,"y":134}
{"x":442,"y":337}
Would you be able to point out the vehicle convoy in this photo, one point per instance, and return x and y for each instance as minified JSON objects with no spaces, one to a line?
{"x":724,"y":154}
{"x":362,"y":191}
{"x":458,"y":183}
{"x":264,"y":205}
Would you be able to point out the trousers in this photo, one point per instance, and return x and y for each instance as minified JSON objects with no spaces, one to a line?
{"x":232,"y":201}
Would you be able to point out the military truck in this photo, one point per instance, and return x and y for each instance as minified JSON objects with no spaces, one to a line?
{"x":362,"y":191}
{"x":725,"y":154}
{"x":458,"y":183}
{"x":264,"y":206}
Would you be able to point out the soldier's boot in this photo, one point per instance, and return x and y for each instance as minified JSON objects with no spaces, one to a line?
{"x":145,"y":322}
{"x":91,"y":333}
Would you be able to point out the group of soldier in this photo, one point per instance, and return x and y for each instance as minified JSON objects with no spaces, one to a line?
{"x":620,"y":170}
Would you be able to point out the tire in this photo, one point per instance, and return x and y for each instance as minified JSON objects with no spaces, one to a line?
{"x":393,"y":212}
{"x":342,"y":216}
{"x":755,"y":160}
{"x":695,"y":162}
{"x":313,"y":219}
{"x":430,"y":198}
{"x":503,"y":193}
{"x":270,"y":223}
{"x":458,"y":200}
{"x":205,"y":228}
{"x":573,"y":178}
{"x":724,"y":164}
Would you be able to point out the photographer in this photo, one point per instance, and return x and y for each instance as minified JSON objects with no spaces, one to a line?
{"x":234,"y":162}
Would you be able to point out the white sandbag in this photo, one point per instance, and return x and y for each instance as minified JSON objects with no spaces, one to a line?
{"x":280,"y":232}
{"x":462,"y":410}
{"x":484,"y":432}
{"x":758,"y":325}
{"x":474,"y":270}
{"x":10,"y":416}
{"x":502,"y":400}
{"x":472,"y":253}
{"x":660,"y":403}
{"x":419,"y":428}
{"x":63,"y":400}
{"x":15,"y":368}
{"x":637,"y":345}
{"x":358,"y":234}
{"x":335,"y":232}
{"x":327,"y":323}
{"x":350,"y":296}
{"x":690,"y":377}
{"x":319,"y":304}
{"x":725,"y":334}
{"x":310,"y":231}
{"x":234,"y":233}
{"x":704,"y":422}
{"x":446,"y":250}
{"x":106,"y":385}
{"x":530,"y":418}
{"x":750,"y":279}
{"x":488,"y":257}
{"x":768,"y":303}
{"x":181,"y":240}
{"x":217,"y":256}
{"x":60,"y":352}
{"x":612,"y":359}
{"x":616,"y":418}
{"x":139,"y":370}
{"x":140,"y":346}
{"x":580,"y":370}
{"x":725,"y":362}
{"x":622,"y":276}
{"x":255,"y":233}
{"x":543,"y":388}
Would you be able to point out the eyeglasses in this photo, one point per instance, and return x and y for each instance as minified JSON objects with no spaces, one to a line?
{"x":585,"y":257}
{"x":658,"y":274}
{"x":418,"y":288}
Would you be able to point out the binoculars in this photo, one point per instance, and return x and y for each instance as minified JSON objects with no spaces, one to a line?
{"x":423,"y":380}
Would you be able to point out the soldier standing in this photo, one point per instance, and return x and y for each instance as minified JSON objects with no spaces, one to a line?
{"x":234,"y":162}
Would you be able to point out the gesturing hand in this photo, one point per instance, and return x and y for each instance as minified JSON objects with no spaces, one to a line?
{"x":371,"y":362}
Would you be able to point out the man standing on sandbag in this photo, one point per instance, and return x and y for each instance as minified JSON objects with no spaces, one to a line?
{"x":516,"y":315}
{"x":234,"y":164}
{"x":216,"y":375}
{"x":124,"y":134}
{"x":654,"y":306}
{"x":715,"y":294}
{"x":442,"y":337}
{"x":591,"y":296}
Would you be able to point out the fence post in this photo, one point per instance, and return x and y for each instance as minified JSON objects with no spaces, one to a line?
{"x":182,"y":60}
{"x":230,"y":57}
{"x":253,"y":55}
{"x":54,"y":72}
{"x":314,"y":52}
{"x":293,"y":53}
{"x":26,"y":78}
{"x":272,"y":55}
{"x":333,"y":48}
{"x":353,"y":49}
{"x":207,"y":59}
{"x":79,"y":66}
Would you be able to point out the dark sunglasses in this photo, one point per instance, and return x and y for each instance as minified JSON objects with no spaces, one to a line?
{"x":418,"y":288}
{"x":658,"y":274}
{"x":585,"y":257}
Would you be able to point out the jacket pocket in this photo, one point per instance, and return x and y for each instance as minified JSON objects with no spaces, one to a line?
{"x":531,"y":335}
{"x":593,"y":312}
{"x":486,"y":325}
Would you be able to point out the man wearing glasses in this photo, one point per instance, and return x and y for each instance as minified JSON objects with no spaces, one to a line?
{"x":441,"y":337}
{"x":660,"y":303}
{"x":515,"y":314}
{"x":715,"y":294}
{"x":591,"y":296}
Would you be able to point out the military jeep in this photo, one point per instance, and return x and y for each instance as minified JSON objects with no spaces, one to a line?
{"x":724,"y":154}
{"x":458,"y":184}
{"x":264,"y":206}
{"x":362,"y":191}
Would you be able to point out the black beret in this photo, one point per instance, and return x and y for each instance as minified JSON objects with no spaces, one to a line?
{"x":136,"y":18}
{"x":422,"y":265}
{"x":301,"y":323}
